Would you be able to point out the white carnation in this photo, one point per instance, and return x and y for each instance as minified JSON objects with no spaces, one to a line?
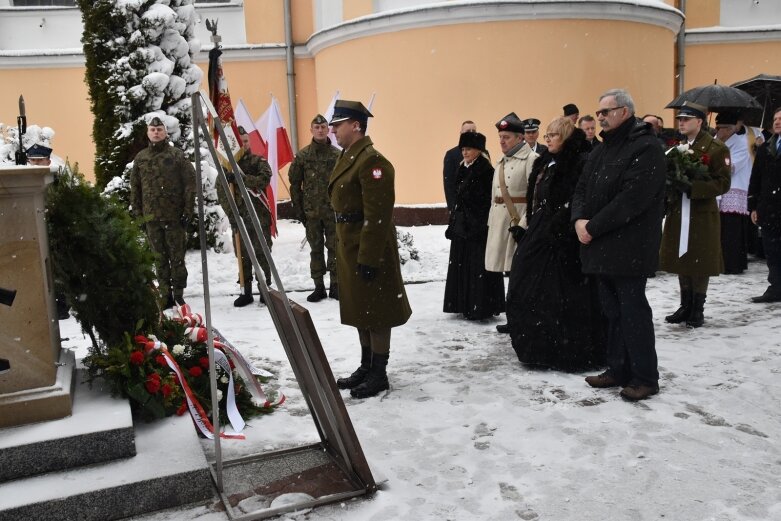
{"x":178,"y":349}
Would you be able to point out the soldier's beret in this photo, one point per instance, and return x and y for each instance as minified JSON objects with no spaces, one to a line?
{"x":692,"y":110}
{"x":38,"y":151}
{"x":472,"y":140}
{"x":570,"y":109}
{"x":510,"y":123}
{"x":319,"y":120}
{"x":345,"y":109}
{"x":155,"y":122}
{"x":531,"y":124}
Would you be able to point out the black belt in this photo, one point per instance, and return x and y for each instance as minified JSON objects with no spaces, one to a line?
{"x":350,"y":217}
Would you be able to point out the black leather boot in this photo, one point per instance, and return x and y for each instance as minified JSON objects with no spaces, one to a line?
{"x":359,"y":375}
{"x":697,"y":316}
{"x":245,"y":298}
{"x":683,"y":312}
{"x":333,"y":291}
{"x":169,"y":301}
{"x":376,"y":381}
{"x":318,"y":294}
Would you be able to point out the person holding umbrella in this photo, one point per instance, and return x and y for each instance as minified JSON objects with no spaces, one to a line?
{"x":691,"y":242}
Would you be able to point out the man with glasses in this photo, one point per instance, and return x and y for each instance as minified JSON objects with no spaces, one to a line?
{"x":617,"y":212}
{"x":691,"y":245}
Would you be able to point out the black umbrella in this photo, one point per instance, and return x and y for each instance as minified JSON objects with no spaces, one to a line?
{"x":767,"y":91}
{"x":717,"y":98}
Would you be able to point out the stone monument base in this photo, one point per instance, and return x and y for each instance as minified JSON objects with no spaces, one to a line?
{"x":41,"y":403}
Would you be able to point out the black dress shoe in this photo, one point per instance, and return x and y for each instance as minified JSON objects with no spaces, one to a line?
{"x":767,"y":296}
{"x":503,"y":328}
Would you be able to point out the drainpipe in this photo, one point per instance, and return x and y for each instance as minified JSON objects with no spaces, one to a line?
{"x":291,"y":77}
{"x":680,"y":54}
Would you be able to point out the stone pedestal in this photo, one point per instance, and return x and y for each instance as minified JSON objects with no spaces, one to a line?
{"x":30,"y":387}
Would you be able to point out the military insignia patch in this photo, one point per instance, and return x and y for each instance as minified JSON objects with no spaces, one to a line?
{"x":377,"y":173}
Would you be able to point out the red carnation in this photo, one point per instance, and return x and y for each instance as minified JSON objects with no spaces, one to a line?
{"x":705,"y":159}
{"x":160,"y":359}
{"x":166,"y":390}
{"x":140,"y":339}
{"x":204,"y":361}
{"x":152,"y":384}
{"x":672,"y":142}
{"x":231,"y":364}
{"x":182,"y":409}
{"x":136,"y":358}
{"x":196,"y":371}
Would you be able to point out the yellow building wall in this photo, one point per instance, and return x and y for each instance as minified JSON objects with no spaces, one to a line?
{"x":730,"y":62}
{"x":264,"y":21}
{"x":356,"y":8}
{"x":55,"y":98}
{"x":703,"y":13}
{"x":427,"y":81}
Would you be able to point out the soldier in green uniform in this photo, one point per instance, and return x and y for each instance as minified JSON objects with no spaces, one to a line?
{"x":162,"y":190}
{"x":256,"y":177}
{"x":372,"y":298}
{"x":309,"y":176}
{"x":702,"y":257}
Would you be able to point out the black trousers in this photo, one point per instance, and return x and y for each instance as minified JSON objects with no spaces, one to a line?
{"x":631,"y":345}
{"x":771,"y":240}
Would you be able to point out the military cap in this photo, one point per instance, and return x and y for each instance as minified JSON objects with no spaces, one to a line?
{"x":510,"y":123}
{"x":319,"y":120}
{"x":155,"y":122}
{"x":472,"y":140}
{"x":345,"y":109}
{"x":38,"y":150}
{"x":531,"y":124}
{"x":692,"y":110}
{"x":242,"y":131}
{"x":727,"y":118}
{"x":570,"y":109}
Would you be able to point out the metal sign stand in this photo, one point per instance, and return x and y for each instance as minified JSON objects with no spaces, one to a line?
{"x":336,"y":466}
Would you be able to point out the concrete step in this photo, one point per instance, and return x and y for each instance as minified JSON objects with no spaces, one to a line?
{"x":100,"y":429}
{"x":169,"y":469}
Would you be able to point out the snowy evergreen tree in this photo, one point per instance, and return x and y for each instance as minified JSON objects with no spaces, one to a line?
{"x":139,"y":56}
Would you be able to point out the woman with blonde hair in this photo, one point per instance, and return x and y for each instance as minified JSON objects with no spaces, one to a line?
{"x":552,"y":309}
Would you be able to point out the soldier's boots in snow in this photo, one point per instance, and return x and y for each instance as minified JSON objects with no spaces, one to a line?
{"x":359,"y":375}
{"x":333,"y":291}
{"x":318,"y":294}
{"x":697,"y":316}
{"x":246,"y":297}
{"x":169,"y":301}
{"x":376,"y":380}
{"x":683,"y":312}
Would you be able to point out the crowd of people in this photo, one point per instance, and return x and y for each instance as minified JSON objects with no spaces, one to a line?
{"x":580,"y":223}
{"x":576,"y":225}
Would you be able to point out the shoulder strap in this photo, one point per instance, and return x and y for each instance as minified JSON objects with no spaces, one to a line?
{"x":508,"y":201}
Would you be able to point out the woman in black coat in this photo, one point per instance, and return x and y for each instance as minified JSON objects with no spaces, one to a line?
{"x":552,"y":308}
{"x":470,"y":289}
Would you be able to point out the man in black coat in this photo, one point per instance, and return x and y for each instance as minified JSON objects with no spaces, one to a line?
{"x":450,"y":168}
{"x":617,"y":211}
{"x":764,"y":203}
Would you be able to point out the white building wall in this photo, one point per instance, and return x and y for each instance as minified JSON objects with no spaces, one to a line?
{"x":750,"y":13}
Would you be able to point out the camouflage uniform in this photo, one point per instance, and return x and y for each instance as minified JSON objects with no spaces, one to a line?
{"x":257,"y":175}
{"x":162,"y":189}
{"x":309,"y":176}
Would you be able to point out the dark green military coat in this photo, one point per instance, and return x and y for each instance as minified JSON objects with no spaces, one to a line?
{"x":257,"y":175}
{"x":703,"y":256}
{"x":162,"y":183}
{"x":309,"y":175}
{"x":362,"y":182}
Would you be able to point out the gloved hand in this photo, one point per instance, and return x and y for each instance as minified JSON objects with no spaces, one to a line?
{"x":448,"y":235}
{"x":682,"y":185}
{"x":367,"y":272}
{"x":517,"y":232}
{"x":231,"y":177}
{"x":185,"y":221}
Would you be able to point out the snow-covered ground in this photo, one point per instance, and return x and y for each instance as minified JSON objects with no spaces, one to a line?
{"x":467,"y":433}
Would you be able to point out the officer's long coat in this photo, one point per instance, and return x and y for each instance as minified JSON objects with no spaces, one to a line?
{"x":500,"y":246}
{"x":362,"y":182}
{"x":703,"y":256}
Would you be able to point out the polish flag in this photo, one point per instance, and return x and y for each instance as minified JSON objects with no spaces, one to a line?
{"x":280,"y":153}
{"x":243,"y":119}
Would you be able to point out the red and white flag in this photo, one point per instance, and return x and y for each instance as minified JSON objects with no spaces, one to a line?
{"x":329,"y":113}
{"x":280,"y":153}
{"x":244,"y":119}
